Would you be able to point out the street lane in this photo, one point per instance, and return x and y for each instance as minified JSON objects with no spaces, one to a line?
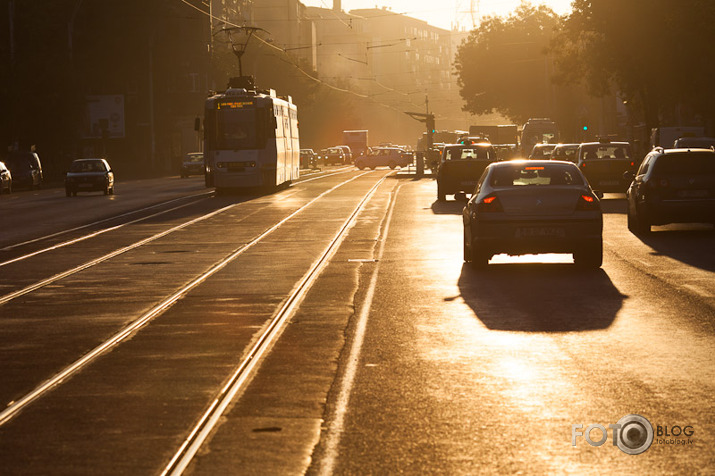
{"x":399,"y":358}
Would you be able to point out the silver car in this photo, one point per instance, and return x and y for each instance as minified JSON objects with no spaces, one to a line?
{"x":529,"y":207}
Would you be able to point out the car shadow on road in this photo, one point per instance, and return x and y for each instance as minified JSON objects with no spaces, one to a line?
{"x":540,"y":297}
{"x":692,"y":244}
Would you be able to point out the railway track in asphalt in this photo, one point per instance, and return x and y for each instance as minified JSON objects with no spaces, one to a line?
{"x":13,"y":408}
{"x":21,"y":399}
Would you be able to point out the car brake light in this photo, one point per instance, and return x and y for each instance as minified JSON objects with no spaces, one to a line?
{"x":587,"y":202}
{"x":490,"y":203}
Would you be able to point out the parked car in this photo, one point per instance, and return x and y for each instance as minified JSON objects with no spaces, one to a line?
{"x":535,"y":206}
{"x":672,"y":186}
{"x":392,"y":157}
{"x":461,"y":166}
{"x":308,"y":159}
{"x":26,"y":169}
{"x":5,"y":179}
{"x":604,"y":164}
{"x":567,"y":152}
{"x":694,"y":143}
{"x":88,"y":175}
{"x":193,"y":164}
{"x":333,"y":156}
{"x":541,"y":151}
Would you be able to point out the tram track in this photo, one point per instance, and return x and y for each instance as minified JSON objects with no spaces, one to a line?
{"x":201,"y":195}
{"x":15,"y":407}
{"x":241,"y":375}
{"x":56,"y":277}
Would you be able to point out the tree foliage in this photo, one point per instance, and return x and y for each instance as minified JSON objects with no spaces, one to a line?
{"x":502,"y":66}
{"x":656,"y":53}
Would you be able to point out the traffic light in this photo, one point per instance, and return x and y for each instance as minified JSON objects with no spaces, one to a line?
{"x":585,"y":128}
{"x":430,"y":123}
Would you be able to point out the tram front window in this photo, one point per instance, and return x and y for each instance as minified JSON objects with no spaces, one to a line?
{"x":237,"y":130}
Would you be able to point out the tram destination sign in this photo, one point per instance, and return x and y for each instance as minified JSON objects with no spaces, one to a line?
{"x":235,"y":104}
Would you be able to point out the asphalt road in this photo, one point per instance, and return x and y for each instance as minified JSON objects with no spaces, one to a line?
{"x":123,"y":319}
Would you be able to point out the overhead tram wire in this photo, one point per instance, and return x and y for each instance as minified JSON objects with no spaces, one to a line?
{"x":291,"y":62}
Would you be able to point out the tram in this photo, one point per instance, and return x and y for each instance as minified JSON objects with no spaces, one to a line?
{"x":250,"y":138}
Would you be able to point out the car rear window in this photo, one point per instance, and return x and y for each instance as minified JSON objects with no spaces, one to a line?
{"x":687,"y":163}
{"x":87,"y":166}
{"x":535,"y":175}
{"x":607,"y":151}
{"x":469,"y":153}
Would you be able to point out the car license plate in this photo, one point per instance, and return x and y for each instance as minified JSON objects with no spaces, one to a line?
{"x":236,"y":168}
{"x":608,"y":182}
{"x":86,"y":185}
{"x":693,"y":193}
{"x":540,"y":231}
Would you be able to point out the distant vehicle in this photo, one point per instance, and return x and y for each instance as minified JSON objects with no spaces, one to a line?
{"x":357,"y":141}
{"x":26,"y":169}
{"x":541,"y":151}
{"x":672,"y":186}
{"x":347,"y":152}
{"x":89,"y":175}
{"x":535,"y":206}
{"x":333,"y":156}
{"x":461,"y":166}
{"x":193,"y":164}
{"x":308,"y":159}
{"x":694,"y":143}
{"x":666,"y":136}
{"x":568,"y":152}
{"x":604,"y":163}
{"x":250,"y":138}
{"x":506,"y":151}
{"x":5,"y":179}
{"x":473,"y":140}
{"x":538,"y":131}
{"x":501,"y":134}
{"x":384,"y":157}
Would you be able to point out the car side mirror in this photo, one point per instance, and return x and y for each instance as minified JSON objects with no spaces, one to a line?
{"x":628,"y":175}
{"x":598,"y":193}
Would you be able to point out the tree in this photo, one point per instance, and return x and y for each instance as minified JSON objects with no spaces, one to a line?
{"x":503,"y":67}
{"x":656,"y":53}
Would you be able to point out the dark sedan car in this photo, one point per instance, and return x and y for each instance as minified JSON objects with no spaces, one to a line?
{"x":5,"y":179}
{"x":536,"y":206}
{"x":461,"y":167}
{"x":672,"y":186}
{"x":89,"y":175}
{"x":193,"y":164}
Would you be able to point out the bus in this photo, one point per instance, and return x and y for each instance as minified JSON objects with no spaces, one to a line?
{"x":250,"y":139}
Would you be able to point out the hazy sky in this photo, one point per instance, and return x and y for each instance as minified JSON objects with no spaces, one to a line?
{"x":443,"y":13}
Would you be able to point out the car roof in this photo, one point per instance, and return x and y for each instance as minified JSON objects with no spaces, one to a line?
{"x":688,"y":149}
{"x":605,"y":143}
{"x":531,"y":163}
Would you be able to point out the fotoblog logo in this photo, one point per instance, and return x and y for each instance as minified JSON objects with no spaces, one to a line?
{"x":633,"y":434}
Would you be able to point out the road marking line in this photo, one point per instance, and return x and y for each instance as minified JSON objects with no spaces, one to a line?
{"x":335,"y":430}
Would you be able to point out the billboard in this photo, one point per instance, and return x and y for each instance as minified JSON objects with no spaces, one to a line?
{"x":104,"y":113}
